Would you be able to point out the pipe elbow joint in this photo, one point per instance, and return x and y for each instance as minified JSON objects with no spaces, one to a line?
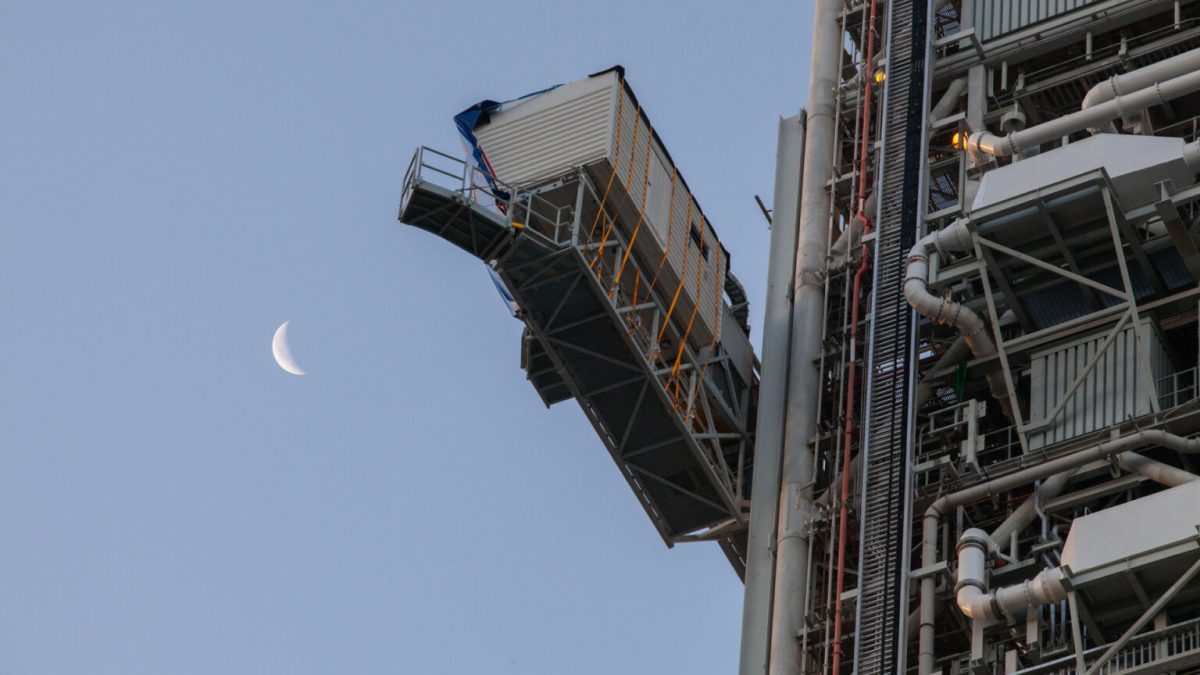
{"x":976,"y":604}
{"x":975,"y":537}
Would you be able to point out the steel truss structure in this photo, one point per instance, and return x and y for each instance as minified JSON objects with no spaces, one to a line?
{"x":677,"y":420}
{"x":1079,"y":259}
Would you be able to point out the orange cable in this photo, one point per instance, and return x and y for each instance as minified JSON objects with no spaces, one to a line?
{"x":616,"y":155}
{"x":712,"y":345}
{"x":692,"y":319}
{"x":682,"y":277}
{"x":632,"y":156}
{"x":670,"y":224}
{"x":641,"y":215}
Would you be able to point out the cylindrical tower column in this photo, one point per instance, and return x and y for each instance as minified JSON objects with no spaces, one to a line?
{"x":772,"y":398}
{"x":808,"y":306}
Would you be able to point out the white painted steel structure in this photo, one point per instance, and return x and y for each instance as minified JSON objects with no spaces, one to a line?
{"x":1052,"y":257}
{"x":974,"y":445}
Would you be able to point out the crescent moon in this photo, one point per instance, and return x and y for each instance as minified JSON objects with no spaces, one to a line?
{"x":283,"y":355}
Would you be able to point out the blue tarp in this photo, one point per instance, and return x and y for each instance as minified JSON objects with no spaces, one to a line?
{"x":469,"y":120}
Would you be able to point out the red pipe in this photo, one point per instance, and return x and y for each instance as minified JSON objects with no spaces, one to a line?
{"x":843,"y":511}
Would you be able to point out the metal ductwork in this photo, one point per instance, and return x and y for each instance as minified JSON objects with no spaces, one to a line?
{"x":974,"y":599}
{"x":945,"y":504}
{"x":986,"y":143}
{"x":1125,"y":83}
{"x":945,"y":311}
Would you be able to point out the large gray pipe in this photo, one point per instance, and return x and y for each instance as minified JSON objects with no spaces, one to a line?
{"x":1093,"y":117}
{"x":772,"y":398}
{"x":1024,"y":515}
{"x":949,"y":100}
{"x":946,"y":503}
{"x":1159,"y":472}
{"x":974,"y":599}
{"x":804,"y":379}
{"x":1124,"y":83}
{"x":954,"y":237}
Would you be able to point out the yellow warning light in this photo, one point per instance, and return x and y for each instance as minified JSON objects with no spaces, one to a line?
{"x":880,"y":76}
{"x":956,"y":140}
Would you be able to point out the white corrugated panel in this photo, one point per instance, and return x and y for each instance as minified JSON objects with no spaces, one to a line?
{"x":597,"y":124}
{"x":543,"y":137}
{"x":994,"y":18}
{"x":1113,"y":392}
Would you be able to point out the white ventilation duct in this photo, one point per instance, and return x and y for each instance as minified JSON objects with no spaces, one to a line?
{"x":983,"y":142}
{"x":974,"y":599}
{"x":941,"y":310}
{"x":946,"y":503}
{"x":1124,"y":83}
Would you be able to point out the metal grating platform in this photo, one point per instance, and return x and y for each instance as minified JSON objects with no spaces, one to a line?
{"x":452,"y":213}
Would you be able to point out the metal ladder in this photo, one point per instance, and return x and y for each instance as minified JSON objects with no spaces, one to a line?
{"x":882,"y":560}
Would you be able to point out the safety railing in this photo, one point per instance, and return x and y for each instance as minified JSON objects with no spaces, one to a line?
{"x":652,"y":322}
{"x":456,"y":175}
{"x":519,"y":208}
{"x":1177,"y":388}
{"x":1143,"y":650}
{"x":954,"y":433}
{"x":535,"y":213}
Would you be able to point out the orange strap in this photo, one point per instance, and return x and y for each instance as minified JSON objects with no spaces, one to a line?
{"x":712,"y":345}
{"x":616,"y":154}
{"x":610,"y":221}
{"x":682,"y":277}
{"x":670,"y":224}
{"x":692,"y":319}
{"x":641,"y":215}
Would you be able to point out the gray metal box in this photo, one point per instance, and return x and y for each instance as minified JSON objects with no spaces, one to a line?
{"x":596,"y":123}
{"x":1113,"y":392}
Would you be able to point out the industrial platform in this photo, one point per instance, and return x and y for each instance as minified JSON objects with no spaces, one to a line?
{"x":676,"y":420}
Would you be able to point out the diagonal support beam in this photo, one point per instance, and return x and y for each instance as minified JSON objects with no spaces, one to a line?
{"x":1000,"y":348}
{"x":1072,"y":263}
{"x":1101,"y":350}
{"x":596,"y":355}
{"x":1115,"y":220}
{"x":1183,"y":240}
{"x":637,"y":410}
{"x":1145,"y":617}
{"x":1135,"y":244}
{"x":645,"y":473}
{"x":1069,"y":274}
{"x":1010,"y":298}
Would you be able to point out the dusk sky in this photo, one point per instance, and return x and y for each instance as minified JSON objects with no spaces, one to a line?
{"x":179,"y":178}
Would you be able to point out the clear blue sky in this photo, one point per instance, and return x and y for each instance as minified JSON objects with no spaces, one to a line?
{"x":176,"y":179}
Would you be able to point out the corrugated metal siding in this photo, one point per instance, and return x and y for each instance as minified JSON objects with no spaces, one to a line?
{"x":575,"y":125}
{"x":702,"y":277}
{"x":994,"y":18}
{"x":1111,"y":394}
{"x":534,"y":143}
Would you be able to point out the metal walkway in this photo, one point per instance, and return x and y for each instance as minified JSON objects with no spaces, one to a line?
{"x":883,"y":557}
{"x":452,"y":213}
{"x":674,"y":423}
